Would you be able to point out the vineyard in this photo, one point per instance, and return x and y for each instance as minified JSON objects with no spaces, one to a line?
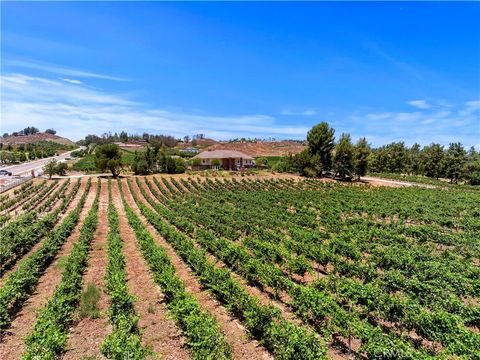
{"x":237,"y":268}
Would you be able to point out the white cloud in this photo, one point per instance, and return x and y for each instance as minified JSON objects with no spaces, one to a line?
{"x":460,"y":123}
{"x":470,"y":108}
{"x":73,"y":81}
{"x":420,"y":104}
{"x":55,"y":69}
{"x":75,"y":110}
{"x":307,"y":112}
{"x":381,"y":116}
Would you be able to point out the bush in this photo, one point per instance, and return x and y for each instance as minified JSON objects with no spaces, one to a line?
{"x":78,"y":153}
{"x":180,"y":166}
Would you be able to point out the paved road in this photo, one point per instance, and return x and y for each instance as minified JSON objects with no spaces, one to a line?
{"x":26,"y":168}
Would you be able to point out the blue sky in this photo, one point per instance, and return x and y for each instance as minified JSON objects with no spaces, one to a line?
{"x":387,"y":71}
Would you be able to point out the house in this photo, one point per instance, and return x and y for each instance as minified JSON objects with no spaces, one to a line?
{"x":228,"y":160}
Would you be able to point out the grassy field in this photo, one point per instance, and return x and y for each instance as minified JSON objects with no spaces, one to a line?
{"x":239,"y":268}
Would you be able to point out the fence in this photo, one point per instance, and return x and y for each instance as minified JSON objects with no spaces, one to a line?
{"x":11,"y":182}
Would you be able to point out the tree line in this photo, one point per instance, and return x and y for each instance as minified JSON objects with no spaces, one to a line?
{"x":12,"y":154}
{"x":345,"y":160}
{"x":29,"y":130}
{"x":434,"y":161}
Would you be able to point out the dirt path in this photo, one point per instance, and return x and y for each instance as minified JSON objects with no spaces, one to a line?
{"x":70,"y":207}
{"x":87,"y":334}
{"x":158,"y":331}
{"x":394,"y":183}
{"x":13,"y":345}
{"x":242,"y":346}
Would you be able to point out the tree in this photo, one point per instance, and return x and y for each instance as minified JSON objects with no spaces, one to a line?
{"x":140,"y":166}
{"x":433,"y":160}
{"x":50,"y":168}
{"x":195,"y":162}
{"x":304,"y":162}
{"x":61,"y":169}
{"x":454,"y":162}
{"x":109,"y":157}
{"x":186,"y":139}
{"x":216,"y":163}
{"x":21,"y":156}
{"x":30,"y":130}
{"x":51,"y":131}
{"x":344,"y":153}
{"x":180,"y":166}
{"x":124,"y":136}
{"x":414,"y":160}
{"x":321,"y":142}
{"x":472,"y":167}
{"x":362,"y":153}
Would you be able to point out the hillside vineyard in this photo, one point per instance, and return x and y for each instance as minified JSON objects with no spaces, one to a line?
{"x":208,"y":268}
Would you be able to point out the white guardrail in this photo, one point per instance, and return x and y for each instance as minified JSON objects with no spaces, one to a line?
{"x":9,"y":182}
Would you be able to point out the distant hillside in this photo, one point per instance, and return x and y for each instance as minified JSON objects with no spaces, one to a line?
{"x":262,"y":148}
{"x":28,"y":139}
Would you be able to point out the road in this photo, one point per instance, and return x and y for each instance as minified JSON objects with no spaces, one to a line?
{"x":27,"y":167}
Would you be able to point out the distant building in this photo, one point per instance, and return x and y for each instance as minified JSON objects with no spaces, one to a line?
{"x":130,"y":144}
{"x":190,"y":150}
{"x":229,"y":159}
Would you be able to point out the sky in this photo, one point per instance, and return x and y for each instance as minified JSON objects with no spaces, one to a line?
{"x":389,"y":71}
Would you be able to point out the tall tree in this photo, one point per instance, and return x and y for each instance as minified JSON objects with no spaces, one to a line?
{"x":433,"y":160}
{"x":454,"y":162}
{"x":414,"y":160}
{"x":362,"y":153}
{"x":343,"y":160}
{"x":321,"y":142}
{"x":109,"y":157}
{"x":51,"y":131}
{"x":472,"y":167}
{"x":50,"y":168}
{"x":123,"y":136}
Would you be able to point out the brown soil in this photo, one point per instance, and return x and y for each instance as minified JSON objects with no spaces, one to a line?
{"x":70,"y":207}
{"x":242,"y":346}
{"x":44,"y":199}
{"x":262,"y":148}
{"x":19,"y":210}
{"x":87,"y":334}
{"x":158,"y":331}
{"x":13,"y":345}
